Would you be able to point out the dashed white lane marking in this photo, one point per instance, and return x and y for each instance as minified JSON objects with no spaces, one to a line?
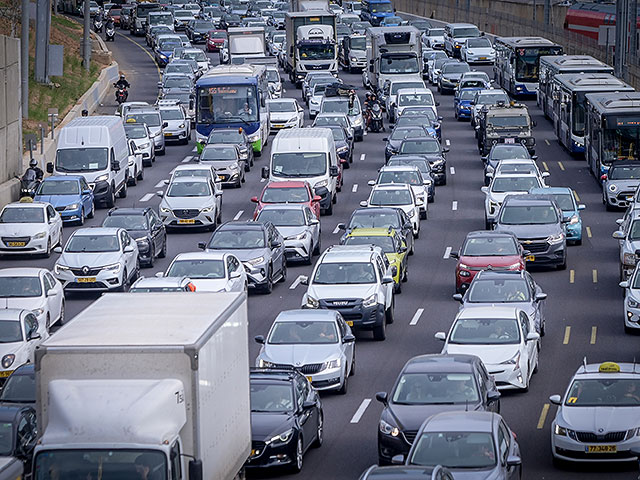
{"x":454,"y":205}
{"x":336,"y":230}
{"x":262,"y":180}
{"x":147,"y":197}
{"x":296,"y":282}
{"x":452,"y":170}
{"x":416,"y":317}
{"x":195,"y":149}
{"x":238,"y":215}
{"x":187,"y":159}
{"x":361,"y":409}
{"x":363,"y":156}
{"x":447,"y":252}
{"x":160,"y":184}
{"x":355,"y":188}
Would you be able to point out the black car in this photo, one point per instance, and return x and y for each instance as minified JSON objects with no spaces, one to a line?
{"x":344,"y":144}
{"x":406,"y":472}
{"x":230,"y":20}
{"x":426,"y":118}
{"x":383,"y":217}
{"x":235,"y":136}
{"x":18,"y":432}
{"x":431,"y":149}
{"x":400,"y":134}
{"x":286,"y":418}
{"x":144,"y":225}
{"x":20,"y":387}
{"x":427,"y":385}
{"x":197,"y":30}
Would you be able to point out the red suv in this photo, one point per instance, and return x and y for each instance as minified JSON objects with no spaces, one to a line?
{"x":215,"y":40}
{"x":287,"y":192}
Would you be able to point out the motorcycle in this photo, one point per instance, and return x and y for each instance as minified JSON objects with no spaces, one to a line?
{"x":110,"y":34}
{"x":121,"y":94}
{"x":29,"y":184}
{"x":375,"y":119}
{"x":97,"y":25}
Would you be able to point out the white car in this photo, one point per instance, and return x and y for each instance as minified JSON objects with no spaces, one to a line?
{"x":140,"y":135}
{"x":178,"y":125}
{"x":484,"y":98}
{"x":134,"y":164}
{"x":98,"y":258}
{"x":317,"y":342}
{"x":504,"y":338}
{"x":415,"y":97}
{"x":521,"y":165}
{"x":478,"y":50}
{"x":285,"y":113}
{"x":29,"y":228}
{"x":191,"y":202}
{"x":315,"y":98}
{"x":20,"y":334}
{"x":209,"y":271}
{"x":34,"y":289}
{"x":408,"y":175}
{"x":194,"y":170}
{"x":390,"y":93}
{"x":503,"y":185}
{"x":199,"y":56}
{"x":396,"y":196}
{"x":275,"y":81}
{"x":434,"y":38}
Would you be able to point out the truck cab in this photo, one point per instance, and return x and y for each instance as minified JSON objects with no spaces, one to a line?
{"x":353,"y":52}
{"x":504,"y":123}
{"x":374,"y":11}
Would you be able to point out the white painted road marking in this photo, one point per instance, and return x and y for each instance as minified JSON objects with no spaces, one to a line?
{"x":336,"y":230}
{"x":296,"y":282}
{"x":454,"y":205}
{"x":160,"y":184}
{"x":147,"y":197}
{"x":452,"y":170}
{"x":447,"y":252}
{"x":361,"y":409}
{"x":238,"y":215}
{"x":363,"y":156}
{"x":355,"y":188}
{"x":416,"y":317}
{"x":262,"y":180}
{"x":195,"y":149}
{"x":187,"y":159}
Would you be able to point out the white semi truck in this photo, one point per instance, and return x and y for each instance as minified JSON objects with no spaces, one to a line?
{"x":156,"y":382}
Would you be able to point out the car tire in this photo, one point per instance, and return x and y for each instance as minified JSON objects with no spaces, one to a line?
{"x":319,"y":431}
{"x":163,"y":252}
{"x":133,"y":180}
{"x":152,"y":256}
{"x":283,"y":272}
{"x":267,"y":288}
{"x":141,"y":174}
{"x":123,"y":190}
{"x":125,"y":281}
{"x":81,"y":221}
{"x":423,"y":215}
{"x":329,"y":211}
{"x":563,"y":265}
{"x":163,"y":151}
{"x":93,"y":211}
{"x":297,"y":464}
{"x":397,"y":288}
{"x":47,"y":253}
{"x":344,"y":388}
{"x":380,"y":331}
{"x":316,"y":248}
{"x":405,"y":275}
{"x":389,"y":315}
{"x":111,"y":201}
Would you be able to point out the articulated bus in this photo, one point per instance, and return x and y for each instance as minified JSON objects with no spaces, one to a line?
{"x":553,"y":65}
{"x":612,"y":129}
{"x":568,"y":93}
{"x":517,"y":62}
{"x":233,"y":96}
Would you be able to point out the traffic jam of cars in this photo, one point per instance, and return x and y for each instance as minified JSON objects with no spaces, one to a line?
{"x":351,"y":194}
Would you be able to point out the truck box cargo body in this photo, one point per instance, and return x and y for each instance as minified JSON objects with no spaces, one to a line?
{"x":246,"y":43}
{"x":146,"y":375}
{"x":308,"y":5}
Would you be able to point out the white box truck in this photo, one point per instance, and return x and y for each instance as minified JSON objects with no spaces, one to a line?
{"x":156,"y":382}
{"x":246,"y":43}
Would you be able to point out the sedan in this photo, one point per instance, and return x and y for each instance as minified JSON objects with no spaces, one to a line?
{"x":70,"y":195}
{"x":285,"y":113}
{"x":215,"y":40}
{"x":233,"y":136}
{"x":409,"y":175}
{"x":299,"y":227}
{"x":323,"y":119}
{"x":169,"y":284}
{"x":478,"y":50}
{"x":450,"y":76}
{"x":503,"y":151}
{"x":227,"y":162}
{"x":29,"y":228}
{"x":20,"y":334}
{"x":431,"y":149}
{"x":427,"y":385}
{"x":209,"y":271}
{"x":103,"y":258}
{"x":33,"y":289}
{"x":399,"y":135}
{"x":20,"y":387}
{"x":502,"y":186}
{"x":344,"y":144}
{"x":404,"y":472}
{"x":318,"y":343}
{"x":295,"y":191}
{"x":191,"y":202}
{"x":503,"y":337}
{"x":140,"y":135}
{"x":397,"y":196}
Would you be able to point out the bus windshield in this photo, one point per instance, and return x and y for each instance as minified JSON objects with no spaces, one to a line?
{"x":528,"y":60}
{"x":620,"y":144}
{"x":227,"y":104}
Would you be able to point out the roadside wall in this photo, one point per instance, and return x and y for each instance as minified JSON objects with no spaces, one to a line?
{"x":10,"y":115}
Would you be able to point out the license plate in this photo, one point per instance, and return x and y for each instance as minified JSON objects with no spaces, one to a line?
{"x":483,"y":58}
{"x":253,"y":452}
{"x":350,"y":323}
{"x":530,"y":258}
{"x":16,"y":244}
{"x":509,"y":140}
{"x":190,"y":221}
{"x":601,"y":449}
{"x":309,"y":378}
{"x":168,"y":134}
{"x":6,"y":373}
{"x":86,"y":279}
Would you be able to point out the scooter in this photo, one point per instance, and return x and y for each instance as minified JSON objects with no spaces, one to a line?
{"x":375,"y":119}
{"x":121,"y":94}
{"x":97,"y":25}
{"x":29,"y":184}
{"x":110,"y":34}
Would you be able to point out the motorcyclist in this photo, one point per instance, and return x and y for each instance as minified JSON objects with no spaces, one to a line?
{"x":109,"y":24}
{"x":33,"y":169}
{"x":373,"y":100}
{"x":122,"y":82}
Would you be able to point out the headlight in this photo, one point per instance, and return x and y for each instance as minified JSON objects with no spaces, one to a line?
{"x":255,"y":137}
{"x":513,"y":361}
{"x":342,"y":149}
{"x":629,"y":259}
{"x":102,"y":178}
{"x":60,"y":268}
{"x":555,"y":239}
{"x":207,"y":209}
{"x":244,"y":154}
{"x":633,"y":432}
{"x":163,"y":56}
{"x":613,"y":188}
{"x":514,"y":266}
{"x":114,"y":267}
{"x":370,"y":301}
{"x":8,"y":360}
{"x":181,"y":125}
{"x":284,"y":437}
{"x":38,"y":311}
{"x":574,"y":220}
{"x":265,"y":364}
{"x":256,"y":261}
{"x":412,"y":213}
{"x":438,"y":162}
{"x":300,"y":236}
{"x":388,"y":429}
{"x":561,"y":431}
{"x":73,"y":206}
{"x":131,"y":162}
{"x":631,"y":303}
{"x":165,"y":209}
{"x":321,"y":183}
{"x":337,"y":363}
{"x":312,"y":302}
{"x":40,"y":235}
{"x":353,"y":59}
{"x":357,"y":122}
{"x":141,"y":240}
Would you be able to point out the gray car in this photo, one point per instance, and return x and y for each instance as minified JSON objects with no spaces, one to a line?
{"x":450,"y":76}
{"x":258,"y":245}
{"x":538,"y":223}
{"x":632,"y":302}
{"x":226,"y":161}
{"x":628,"y":237}
{"x":619,"y":184}
{"x":476,"y":445}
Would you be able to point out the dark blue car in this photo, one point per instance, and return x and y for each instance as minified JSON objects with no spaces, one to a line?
{"x":462,"y":103}
{"x":70,"y":195}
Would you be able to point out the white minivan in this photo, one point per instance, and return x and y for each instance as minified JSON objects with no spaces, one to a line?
{"x":306,"y":154}
{"x":95,"y":147}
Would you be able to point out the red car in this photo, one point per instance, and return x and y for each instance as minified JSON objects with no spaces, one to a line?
{"x":215,"y":40}
{"x":114,"y":13}
{"x":287,"y":192}
{"x":485,"y":250}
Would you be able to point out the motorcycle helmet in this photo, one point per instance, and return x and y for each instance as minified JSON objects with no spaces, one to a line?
{"x":33,"y":163}
{"x":122,"y":76}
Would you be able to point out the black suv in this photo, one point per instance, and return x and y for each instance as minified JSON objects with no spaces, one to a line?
{"x":286,"y":418}
{"x":145,"y":227}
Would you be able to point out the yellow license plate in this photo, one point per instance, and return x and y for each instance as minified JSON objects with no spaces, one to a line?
{"x":350,"y":323}
{"x":309,"y":378}
{"x":86,"y":279}
{"x":168,"y":134}
{"x":190,"y":221}
{"x":530,"y":258}
{"x":601,"y":449}
{"x":483,"y":58}
{"x":6,"y":373}
{"x":16,"y":244}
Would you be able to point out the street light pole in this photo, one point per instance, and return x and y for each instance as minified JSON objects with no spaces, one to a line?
{"x":86,"y":40}
{"x":24,"y":59}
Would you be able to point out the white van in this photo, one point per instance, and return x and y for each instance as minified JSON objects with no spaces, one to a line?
{"x":95,"y":147}
{"x":306,"y":154}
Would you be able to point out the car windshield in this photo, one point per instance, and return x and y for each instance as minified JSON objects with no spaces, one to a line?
{"x":151,"y":119}
{"x":436,"y":32}
{"x":492,"y":98}
{"x":528,"y":168}
{"x":273,"y":76}
{"x":282,"y":106}
{"x":340,"y":106}
{"x":286,"y":217}
{"x":83,"y":159}
{"x":508,"y":121}
{"x":291,"y":333}
{"x":22,"y":215}
{"x":465,"y":32}
{"x":175,"y":81}
{"x":328,"y":119}
{"x":189,"y":189}
{"x":381,"y":7}
{"x":237,"y":239}
{"x":528,"y":215}
{"x":455,"y":67}
{"x":489,"y":247}
{"x":285,"y":195}
{"x":19,"y":389}
{"x":195,"y":172}
{"x":478,"y":43}
{"x":6,"y":439}
{"x":59,"y":187}
{"x":391,"y":197}
{"x":182,"y":13}
{"x":197,"y":269}
{"x":171,"y":114}
{"x":395,"y":86}
{"x":410,"y":178}
{"x":604,"y":392}
{"x":271,"y":398}
{"x":454,"y":450}
{"x":498,"y":291}
{"x":467,"y":94}
{"x":364,"y":219}
{"x":168,"y":45}
{"x":128,"y":222}
{"x":10,"y":331}
{"x":435,"y":389}
{"x":514,"y":184}
{"x":217,"y":34}
{"x":344,"y":274}
{"x":565,"y":201}
{"x":421,"y":146}
{"x":358,"y":43}
{"x":407,"y":120}
{"x":338,"y":134}
{"x":135,"y":131}
{"x":382,"y":241}
{"x":398,"y":64}
{"x":630,"y":172}
{"x":226,"y":136}
{"x":422,"y":165}
{"x":411,"y":99}
{"x":302,"y":164}
{"x":178,"y":68}
{"x":20,"y":287}
{"x":504,"y":152}
{"x":92,"y":244}
{"x":400,"y":133}
{"x":485,"y":331}
{"x":198,"y":56}
{"x":219,"y":153}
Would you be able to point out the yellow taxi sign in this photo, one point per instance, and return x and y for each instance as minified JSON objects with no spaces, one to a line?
{"x":609,"y":367}
{"x":131,"y":120}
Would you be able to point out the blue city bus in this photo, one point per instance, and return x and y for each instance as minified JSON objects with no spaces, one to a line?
{"x":612,"y":130}
{"x":518,"y":61}
{"x":234,"y":96}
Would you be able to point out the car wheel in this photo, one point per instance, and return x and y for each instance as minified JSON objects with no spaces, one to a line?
{"x":111,"y":201}
{"x":405,"y":275}
{"x":268,"y":287}
{"x":47,"y":253}
{"x":535,"y":368}
{"x":163,"y":252}
{"x":47,"y":324}
{"x":141,"y":174}
{"x":345,"y":384}
{"x":125,"y":281}
{"x":352,"y":372}
{"x":389,"y":314}
{"x":319,"y":431}
{"x":283,"y":274}
{"x":380,"y":331}
{"x":123,"y":191}
{"x":163,"y":151}
{"x":81,"y":221}
{"x":93,"y":211}
{"x":397,"y":288}
{"x":329,"y":211}
{"x":133,"y":180}
{"x":297,"y":466}
{"x":316,"y":248}
{"x":309,"y":259}
{"x":152,"y":256}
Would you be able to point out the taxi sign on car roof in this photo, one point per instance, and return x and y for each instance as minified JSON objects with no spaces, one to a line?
{"x":609,"y":367}
{"x":131,"y":120}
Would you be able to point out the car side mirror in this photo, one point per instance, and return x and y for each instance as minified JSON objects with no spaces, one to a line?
{"x":314,"y":221}
{"x":34,"y":336}
{"x":534,"y":123}
{"x":316,"y":198}
{"x":57,"y":250}
{"x":493,"y":395}
{"x":385,"y":139}
{"x":620,"y":221}
{"x":624,"y":284}
{"x":159,"y":84}
{"x":254,"y":199}
{"x":402,"y":249}
{"x":618,"y":235}
{"x":533,"y":336}
{"x":383,"y":398}
{"x":371,"y":183}
{"x":115,"y":165}
{"x":484,"y":190}
{"x":165,"y":124}
{"x":348,"y":338}
{"x":546,"y":174}
{"x":513,"y":461}
{"x":160,"y":193}
{"x":555,"y":399}
{"x":534,"y":157}
{"x":397,"y":460}
{"x":202,"y":245}
{"x":458,"y":297}
{"x":159,"y":274}
{"x":582,"y":206}
{"x":128,"y":249}
{"x":541,"y":296}
{"x":440,"y":336}
{"x":304,"y":280}
{"x":235,"y":274}
{"x":342,"y":226}
{"x":52,"y":293}
{"x":49,"y":167}
{"x":259,"y":339}
{"x":333,"y":171}
{"x":387,"y":279}
{"x":455,"y":255}
{"x":264,"y":173}
{"x":308,"y":405}
{"x":276,"y":244}
{"x":364,"y":203}
{"x":603,"y":177}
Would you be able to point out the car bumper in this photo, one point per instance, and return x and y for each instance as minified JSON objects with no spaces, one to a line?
{"x":359,"y":317}
{"x":256,"y":275}
{"x":507,"y":377}
{"x":481,"y":58}
{"x":275,"y":126}
{"x":463,"y":282}
{"x":169,"y":219}
{"x":158,"y":142}
{"x":229,"y":178}
{"x":71,"y":215}
{"x":268,"y":456}
{"x":297,"y":249}
{"x":175,"y":135}
{"x":618,"y":199}
{"x":464,"y":113}
{"x":574,"y":232}
{"x":554,"y":255}
{"x":31,"y":246}
{"x":565,"y":448}
{"x":104,"y":280}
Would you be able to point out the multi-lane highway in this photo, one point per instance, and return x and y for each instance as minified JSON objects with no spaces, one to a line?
{"x":583,"y":310}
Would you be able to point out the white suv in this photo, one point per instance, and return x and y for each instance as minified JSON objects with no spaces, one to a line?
{"x":503,"y":185}
{"x":358,"y":282}
{"x":397,"y":195}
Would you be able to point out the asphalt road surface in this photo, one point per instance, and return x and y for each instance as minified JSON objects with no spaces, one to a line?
{"x":583,"y":310}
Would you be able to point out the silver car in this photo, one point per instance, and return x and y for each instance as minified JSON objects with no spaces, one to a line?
{"x":318,"y":343}
{"x":628,"y":236}
{"x":151,"y":117}
{"x":341,"y":105}
{"x":190,"y":202}
{"x":226,"y":161}
{"x":411,"y":176}
{"x":178,"y":126}
{"x":503,"y":185}
{"x":632,"y":302}
{"x":298,"y":226}
{"x":209,"y":271}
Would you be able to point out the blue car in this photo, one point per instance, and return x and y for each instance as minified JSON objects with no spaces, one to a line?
{"x":565,"y":197}
{"x":70,"y":195}
{"x":462,"y":103}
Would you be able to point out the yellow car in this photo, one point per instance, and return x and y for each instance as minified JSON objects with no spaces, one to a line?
{"x":391,"y":243}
